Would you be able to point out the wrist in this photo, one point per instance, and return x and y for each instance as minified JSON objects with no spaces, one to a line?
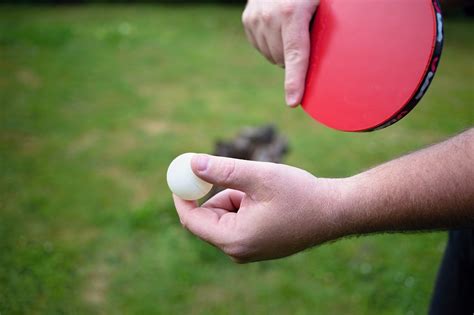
{"x":345,"y":207}
{"x":329,"y":217}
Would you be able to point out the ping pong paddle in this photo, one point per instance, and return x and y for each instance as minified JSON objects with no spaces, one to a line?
{"x":371,"y":61}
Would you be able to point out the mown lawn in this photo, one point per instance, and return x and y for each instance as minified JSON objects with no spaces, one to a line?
{"x":96,"y":101}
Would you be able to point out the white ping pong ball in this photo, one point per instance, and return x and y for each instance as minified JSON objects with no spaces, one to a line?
{"x":183,"y":182}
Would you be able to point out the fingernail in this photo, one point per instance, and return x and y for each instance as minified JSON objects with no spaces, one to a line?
{"x":291,"y":100}
{"x":201,"y":161}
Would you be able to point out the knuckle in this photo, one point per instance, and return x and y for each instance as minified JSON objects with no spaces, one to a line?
{"x":234,"y":248}
{"x":254,"y":21}
{"x":237,"y":253}
{"x":245,"y":18}
{"x":288,"y":8}
{"x":293,"y":54}
{"x":249,"y":20}
{"x":266,"y":18}
{"x":239,"y":249}
{"x":237,"y":260}
{"x":229,"y":171}
{"x":232,"y":251}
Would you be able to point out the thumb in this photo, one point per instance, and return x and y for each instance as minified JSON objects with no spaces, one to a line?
{"x":237,"y":174}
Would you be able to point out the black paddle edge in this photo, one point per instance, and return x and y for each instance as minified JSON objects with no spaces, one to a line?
{"x":427,"y":78}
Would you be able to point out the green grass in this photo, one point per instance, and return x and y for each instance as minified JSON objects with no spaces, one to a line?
{"x":96,"y":101}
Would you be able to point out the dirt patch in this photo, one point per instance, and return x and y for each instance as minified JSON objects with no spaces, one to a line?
{"x":138,"y":188}
{"x":84,"y":142}
{"x":209,"y":295}
{"x":95,"y":290}
{"x":122,"y":142}
{"x":26,"y":144}
{"x":154,"y":127}
{"x":28,"y":78}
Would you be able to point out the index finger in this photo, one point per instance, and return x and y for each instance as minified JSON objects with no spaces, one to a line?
{"x":202,"y":222}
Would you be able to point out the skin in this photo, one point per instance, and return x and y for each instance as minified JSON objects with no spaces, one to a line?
{"x":279,"y":29}
{"x":274,"y":210}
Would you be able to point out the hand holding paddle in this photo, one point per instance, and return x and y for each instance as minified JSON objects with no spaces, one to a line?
{"x":370,"y":62}
{"x":280,"y":31}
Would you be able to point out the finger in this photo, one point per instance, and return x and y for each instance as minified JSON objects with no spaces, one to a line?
{"x":261,"y":27}
{"x":251,"y":37}
{"x":262,"y":46}
{"x":194,"y":204}
{"x":246,"y":176}
{"x":202,"y":222}
{"x":182,"y":206}
{"x":275,"y":46}
{"x":226,"y":201}
{"x":250,"y":23}
{"x":295,"y":35}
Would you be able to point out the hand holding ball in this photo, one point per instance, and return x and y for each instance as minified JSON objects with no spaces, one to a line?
{"x":183,"y":182}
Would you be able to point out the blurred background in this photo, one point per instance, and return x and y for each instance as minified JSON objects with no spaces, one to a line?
{"x":97,"y":99}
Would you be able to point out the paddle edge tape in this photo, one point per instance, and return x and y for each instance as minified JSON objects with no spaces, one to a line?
{"x":432,"y":66}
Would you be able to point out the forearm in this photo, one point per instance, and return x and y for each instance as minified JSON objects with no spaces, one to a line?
{"x":430,"y":189}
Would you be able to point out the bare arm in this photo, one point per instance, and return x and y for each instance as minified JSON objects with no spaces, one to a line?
{"x":430,"y":189}
{"x":274,"y":210}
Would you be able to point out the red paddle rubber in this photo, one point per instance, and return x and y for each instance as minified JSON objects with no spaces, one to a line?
{"x":371,"y":61}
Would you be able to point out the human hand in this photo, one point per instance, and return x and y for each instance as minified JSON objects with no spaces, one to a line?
{"x":279,"y":29}
{"x":269,"y":211}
